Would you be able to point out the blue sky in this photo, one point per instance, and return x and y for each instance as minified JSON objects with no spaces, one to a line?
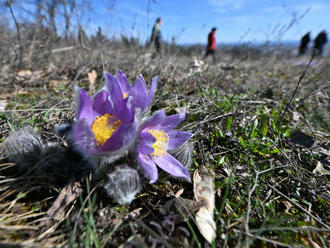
{"x":189,"y":21}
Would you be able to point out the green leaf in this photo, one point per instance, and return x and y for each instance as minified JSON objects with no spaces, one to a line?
{"x":221,"y":160}
{"x":242,"y":142}
{"x":219,"y":134}
{"x":264,"y":130}
{"x":229,"y":123}
{"x":254,"y":134}
{"x":275,"y":151}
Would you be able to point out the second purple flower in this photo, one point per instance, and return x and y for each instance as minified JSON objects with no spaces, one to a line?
{"x":157,"y":136}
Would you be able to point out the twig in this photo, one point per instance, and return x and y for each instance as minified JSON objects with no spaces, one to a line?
{"x":300,"y":207}
{"x":63,"y":49}
{"x":293,"y":229}
{"x":205,"y":121}
{"x":315,"y":91}
{"x":264,"y":239}
{"x":32,"y":109}
{"x":79,"y":26}
{"x":255,"y":102}
{"x":296,"y":89}
{"x":18,"y":33}
{"x":19,"y":227}
{"x":247,"y":220}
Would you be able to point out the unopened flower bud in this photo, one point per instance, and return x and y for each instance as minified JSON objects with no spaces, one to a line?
{"x":24,"y":147}
{"x":123,"y":184}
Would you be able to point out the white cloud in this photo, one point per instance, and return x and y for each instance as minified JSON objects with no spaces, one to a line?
{"x":314,"y":7}
{"x":226,"y":5}
{"x":296,"y":8}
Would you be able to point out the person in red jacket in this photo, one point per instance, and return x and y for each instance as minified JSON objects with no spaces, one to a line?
{"x":211,"y":44}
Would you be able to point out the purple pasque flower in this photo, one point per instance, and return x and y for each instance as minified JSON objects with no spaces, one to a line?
{"x":103,"y":127}
{"x":157,"y":136}
{"x":138,"y":92}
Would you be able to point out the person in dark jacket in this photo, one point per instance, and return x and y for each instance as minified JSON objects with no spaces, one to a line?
{"x":304,"y":43}
{"x":211,"y":44}
{"x":156,"y":35}
{"x":319,"y":42}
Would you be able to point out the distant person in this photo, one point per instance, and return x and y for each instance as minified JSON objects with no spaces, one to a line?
{"x":319,"y":42}
{"x":304,"y":43}
{"x":156,"y":35}
{"x":211,"y":45}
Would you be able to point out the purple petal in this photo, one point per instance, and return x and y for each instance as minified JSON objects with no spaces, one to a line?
{"x":122,"y":111}
{"x":113,"y":87}
{"x":123,"y":81}
{"x":120,"y":138}
{"x":119,"y":104}
{"x":85,"y":108}
{"x":172,"y":166}
{"x":148,"y":167}
{"x":139,"y":92}
{"x":172,"y":121}
{"x":153,"y":88}
{"x":101,"y":103}
{"x":84,"y":137}
{"x":177,"y":138}
{"x":147,"y":140}
{"x":130,"y":134}
{"x":156,"y":119}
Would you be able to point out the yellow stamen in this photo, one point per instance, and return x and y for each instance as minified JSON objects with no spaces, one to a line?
{"x":125,"y":95}
{"x":103,"y":127}
{"x":161,"y":144}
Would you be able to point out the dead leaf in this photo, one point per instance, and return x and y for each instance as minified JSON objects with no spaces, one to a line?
{"x":22,"y":92}
{"x":206,"y":224}
{"x":180,"y":110}
{"x":37,"y":75}
{"x":57,"y":83}
{"x":204,"y":191}
{"x":12,"y":94}
{"x":184,"y":206}
{"x":5,"y":96}
{"x":67,"y":195}
{"x":92,"y":77}
{"x":319,"y":169}
{"x":295,"y":117}
{"x":24,"y":73}
{"x":287,"y":205}
{"x":219,"y":192}
{"x":3,"y":105}
{"x":134,"y":214}
{"x":179,"y":193}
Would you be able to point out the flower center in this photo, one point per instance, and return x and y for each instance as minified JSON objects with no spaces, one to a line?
{"x":103,"y":127}
{"x":125,"y":95}
{"x":161,"y":144}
